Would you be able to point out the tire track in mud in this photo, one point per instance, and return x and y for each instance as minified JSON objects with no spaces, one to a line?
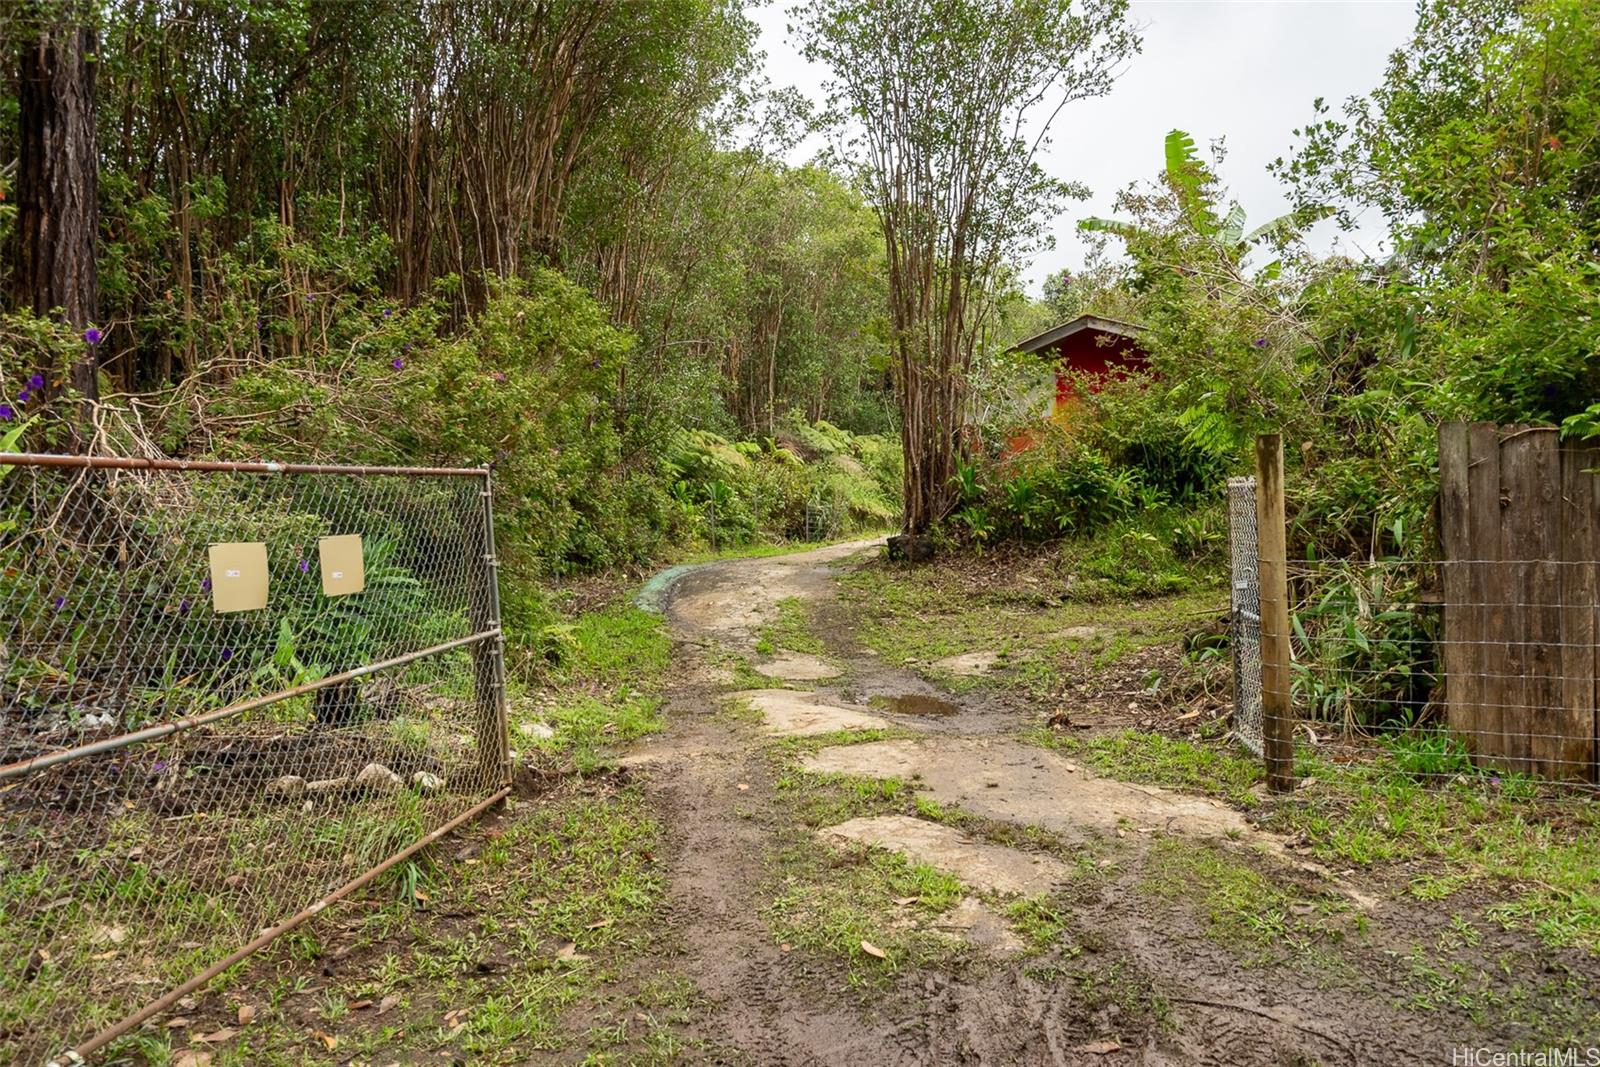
{"x":1129,"y":964}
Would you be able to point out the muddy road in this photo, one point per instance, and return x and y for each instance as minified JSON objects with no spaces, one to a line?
{"x":1094,"y":921}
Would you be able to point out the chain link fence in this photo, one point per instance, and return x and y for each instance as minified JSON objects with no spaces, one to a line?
{"x":230,"y":694}
{"x":1244,"y":599}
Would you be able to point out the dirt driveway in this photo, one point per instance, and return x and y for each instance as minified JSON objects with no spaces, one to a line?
{"x":1093,"y":920}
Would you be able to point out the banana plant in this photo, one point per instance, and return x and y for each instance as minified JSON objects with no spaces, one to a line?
{"x":1192,"y":185}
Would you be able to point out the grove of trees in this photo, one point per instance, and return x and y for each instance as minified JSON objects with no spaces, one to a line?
{"x":560,"y":236}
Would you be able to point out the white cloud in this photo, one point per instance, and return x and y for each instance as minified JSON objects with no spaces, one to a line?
{"x":1243,"y":71}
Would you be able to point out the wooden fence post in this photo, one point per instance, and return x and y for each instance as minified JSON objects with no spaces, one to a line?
{"x":1277,"y":707}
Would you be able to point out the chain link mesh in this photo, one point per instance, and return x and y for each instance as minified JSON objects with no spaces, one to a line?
{"x":131,"y":863}
{"x":1244,"y":600}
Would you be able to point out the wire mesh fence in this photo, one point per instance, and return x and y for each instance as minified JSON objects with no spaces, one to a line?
{"x":225,"y":694}
{"x":1379,"y":651}
{"x":1481,"y":671}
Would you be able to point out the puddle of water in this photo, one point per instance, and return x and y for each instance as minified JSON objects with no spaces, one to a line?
{"x":915,"y":704}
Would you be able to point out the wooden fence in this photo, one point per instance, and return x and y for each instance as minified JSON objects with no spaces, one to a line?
{"x":1520,"y":524}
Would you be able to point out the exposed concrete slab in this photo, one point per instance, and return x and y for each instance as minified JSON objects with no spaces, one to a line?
{"x":975,"y":863}
{"x":798,"y":667}
{"x":968,"y":664}
{"x":979,"y":925}
{"x":1002,"y":779}
{"x":793,"y":713}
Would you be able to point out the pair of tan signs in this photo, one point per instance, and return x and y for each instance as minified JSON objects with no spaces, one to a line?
{"x":239,"y":571}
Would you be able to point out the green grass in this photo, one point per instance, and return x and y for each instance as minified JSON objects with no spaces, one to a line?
{"x":511,"y":946}
{"x":1242,"y":906}
{"x":790,"y":630}
{"x":1138,"y":756}
{"x":606,"y":690}
{"x":1041,"y":922}
{"x":915,"y":616}
{"x":1540,"y":853}
{"x":832,"y":900}
{"x":588,"y":728}
{"x":617,"y":645}
{"x":818,"y":800}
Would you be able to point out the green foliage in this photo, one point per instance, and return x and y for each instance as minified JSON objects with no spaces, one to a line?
{"x":1057,"y":487}
{"x":1364,"y":651}
{"x":1478,"y":147}
{"x":742,"y":491}
{"x":945,"y":139}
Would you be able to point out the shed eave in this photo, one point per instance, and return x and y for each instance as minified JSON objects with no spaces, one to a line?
{"x":1094,"y":323}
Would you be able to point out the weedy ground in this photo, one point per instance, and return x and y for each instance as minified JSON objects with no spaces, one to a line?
{"x":488,"y":949}
{"x":553,"y":931}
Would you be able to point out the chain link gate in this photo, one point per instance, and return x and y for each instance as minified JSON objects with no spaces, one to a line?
{"x":1244,"y":601}
{"x":230,"y":695}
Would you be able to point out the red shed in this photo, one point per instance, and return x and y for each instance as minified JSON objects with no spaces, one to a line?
{"x":1088,"y":347}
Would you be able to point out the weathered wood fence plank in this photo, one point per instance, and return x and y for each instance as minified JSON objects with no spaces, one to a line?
{"x":1580,"y":595}
{"x":1489,"y":589}
{"x":1520,"y":527}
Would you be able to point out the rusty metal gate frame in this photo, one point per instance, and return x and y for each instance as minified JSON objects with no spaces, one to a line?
{"x":489,"y":688}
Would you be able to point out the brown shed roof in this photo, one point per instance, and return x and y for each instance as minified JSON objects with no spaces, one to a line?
{"x":1095,"y":323}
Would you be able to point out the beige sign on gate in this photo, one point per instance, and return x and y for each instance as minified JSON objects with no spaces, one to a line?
{"x":343,"y":569}
{"x":238,"y":576}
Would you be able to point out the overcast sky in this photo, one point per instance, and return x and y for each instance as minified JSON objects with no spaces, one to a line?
{"x":1243,"y":70}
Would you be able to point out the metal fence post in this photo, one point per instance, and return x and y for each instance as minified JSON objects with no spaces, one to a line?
{"x":1245,"y":605}
{"x":1277,"y":705}
{"x":489,"y":658}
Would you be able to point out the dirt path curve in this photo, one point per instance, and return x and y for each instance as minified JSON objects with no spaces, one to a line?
{"x":710,"y":777}
{"x":766,"y":1005}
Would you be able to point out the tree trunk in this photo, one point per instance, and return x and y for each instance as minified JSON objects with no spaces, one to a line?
{"x":57,"y":172}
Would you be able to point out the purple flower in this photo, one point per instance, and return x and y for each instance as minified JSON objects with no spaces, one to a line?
{"x":183,"y":607}
{"x":22,"y":397}
{"x":1261,"y":342}
{"x":205,"y":584}
{"x":7,"y":413}
{"x":93,"y":335}
{"x":311,"y":298}
{"x":61,"y":602}
{"x":305,"y":567}
{"x":36,"y":382}
{"x":227,"y":654}
{"x":1494,"y":779}
{"x":387,"y":312}
{"x":499,"y":375}
{"x":397,"y":363}
{"x":158,"y":766}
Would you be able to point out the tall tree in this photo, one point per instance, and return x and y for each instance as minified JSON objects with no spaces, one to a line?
{"x":57,"y":214}
{"x":946,"y":104}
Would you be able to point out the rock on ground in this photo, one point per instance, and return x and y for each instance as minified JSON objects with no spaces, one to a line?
{"x":993,"y":868}
{"x":1018,"y":783}
{"x":794,"y":713}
